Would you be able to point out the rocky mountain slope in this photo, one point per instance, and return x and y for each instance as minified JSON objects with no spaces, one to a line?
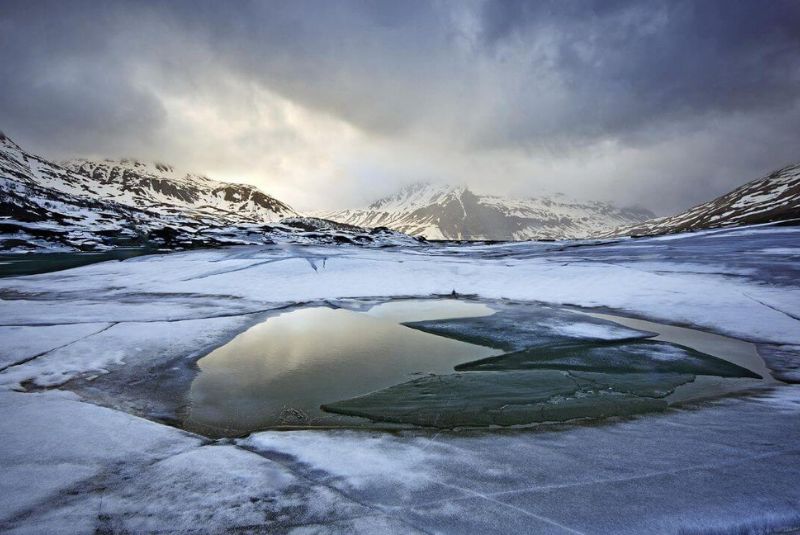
{"x":100,"y":205}
{"x":158,"y":187}
{"x":775,"y":197}
{"x":447,"y":212}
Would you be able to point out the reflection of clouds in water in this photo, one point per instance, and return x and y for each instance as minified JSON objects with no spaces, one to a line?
{"x":283,"y":369}
{"x":426,"y":310}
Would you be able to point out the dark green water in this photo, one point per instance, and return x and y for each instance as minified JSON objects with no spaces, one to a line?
{"x":13,"y":265}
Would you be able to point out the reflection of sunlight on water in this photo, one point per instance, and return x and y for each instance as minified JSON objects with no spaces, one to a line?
{"x":292,"y":363}
{"x":426,"y":310}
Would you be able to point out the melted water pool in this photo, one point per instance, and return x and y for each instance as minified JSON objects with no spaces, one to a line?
{"x":368,"y":364}
{"x":279,"y":372}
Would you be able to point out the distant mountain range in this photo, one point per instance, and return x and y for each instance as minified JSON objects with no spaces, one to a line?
{"x":457,"y":213}
{"x":775,"y":197}
{"x":97,"y":205}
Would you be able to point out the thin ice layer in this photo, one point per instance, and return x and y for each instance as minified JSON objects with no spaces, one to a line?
{"x":512,"y":398}
{"x":644,"y":356}
{"x":520,"y":326}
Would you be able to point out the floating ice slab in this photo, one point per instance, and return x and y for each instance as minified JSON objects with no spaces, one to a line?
{"x":644,"y":356}
{"x":520,"y":326}
{"x":511,"y":398}
{"x":587,"y":367}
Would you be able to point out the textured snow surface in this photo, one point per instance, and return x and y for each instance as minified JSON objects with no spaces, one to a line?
{"x":22,"y":343}
{"x":78,"y":468}
{"x":722,"y":281}
{"x":52,"y":442}
{"x":119,"y":343}
{"x":684,"y":470}
{"x":70,"y":466}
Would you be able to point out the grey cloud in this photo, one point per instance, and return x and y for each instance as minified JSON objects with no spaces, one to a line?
{"x":63,"y":87}
{"x":549,"y":79}
{"x":626,"y":65}
{"x":538,"y":74}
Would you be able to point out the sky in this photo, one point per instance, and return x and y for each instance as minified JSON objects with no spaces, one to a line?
{"x":333,"y":103}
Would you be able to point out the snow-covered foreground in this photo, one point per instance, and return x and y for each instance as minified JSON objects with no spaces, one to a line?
{"x":88,"y":464}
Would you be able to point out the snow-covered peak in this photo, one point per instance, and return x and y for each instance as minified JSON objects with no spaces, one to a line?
{"x":6,"y":142}
{"x":115,"y":170}
{"x":160,"y":186}
{"x":419,"y":194}
{"x":456,"y":212}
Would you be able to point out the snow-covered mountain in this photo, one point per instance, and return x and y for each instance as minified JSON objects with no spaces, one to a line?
{"x":775,"y":197}
{"x":87,"y":205}
{"x":456,"y":213}
{"x":158,"y":187}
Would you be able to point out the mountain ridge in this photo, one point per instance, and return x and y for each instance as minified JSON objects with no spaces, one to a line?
{"x":157,"y":186}
{"x":771,"y":198}
{"x":86,"y":204}
{"x":457,"y":213}
{"x":89,"y":206}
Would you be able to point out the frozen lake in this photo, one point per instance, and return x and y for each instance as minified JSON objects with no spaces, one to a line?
{"x":95,"y":360}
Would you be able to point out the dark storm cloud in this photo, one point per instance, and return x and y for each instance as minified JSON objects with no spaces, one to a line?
{"x":63,"y":85}
{"x":628,"y":64}
{"x":549,"y":80}
{"x":615,"y":67}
